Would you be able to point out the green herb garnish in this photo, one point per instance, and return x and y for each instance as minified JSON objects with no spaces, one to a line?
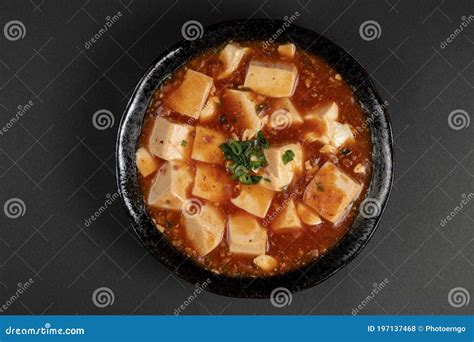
{"x":262,"y":140}
{"x":184,"y":143}
{"x":249,"y":179}
{"x":287,"y":156}
{"x":320,"y":186}
{"x":222,"y":119}
{"x":245,"y":157}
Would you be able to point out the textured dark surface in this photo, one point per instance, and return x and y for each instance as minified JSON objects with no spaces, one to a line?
{"x":62,"y":167}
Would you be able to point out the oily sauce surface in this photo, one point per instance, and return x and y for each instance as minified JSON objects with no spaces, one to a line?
{"x":318,"y":84}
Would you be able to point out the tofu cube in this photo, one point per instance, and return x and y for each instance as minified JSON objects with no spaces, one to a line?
{"x":254,"y":199}
{"x":271,"y":79}
{"x":243,"y":104}
{"x":171,"y":185}
{"x":245,"y":235}
{"x":231,"y":57}
{"x":328,"y":149}
{"x":170,"y":140}
{"x":307,"y":215}
{"x":285,"y":115}
{"x":329,"y":111}
{"x":266,"y":262}
{"x":279,"y":174}
{"x":146,"y":162}
{"x":287,"y":219}
{"x":212,"y":183}
{"x":191,"y":95}
{"x":329,"y":130}
{"x":331,"y":192}
{"x":205,"y":229}
{"x":287,"y":50}
{"x":206,"y":146}
{"x":210,"y":110}
{"x":340,"y":133}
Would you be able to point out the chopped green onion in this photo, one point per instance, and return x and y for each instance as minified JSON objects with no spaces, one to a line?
{"x":244,"y":157}
{"x":287,"y":156}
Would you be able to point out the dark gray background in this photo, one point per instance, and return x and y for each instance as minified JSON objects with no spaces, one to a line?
{"x":62,"y":167}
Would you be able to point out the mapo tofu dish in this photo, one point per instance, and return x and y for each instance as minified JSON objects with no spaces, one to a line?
{"x":253,"y":158}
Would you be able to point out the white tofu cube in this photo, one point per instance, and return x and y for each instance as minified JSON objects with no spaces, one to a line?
{"x":329,"y":130}
{"x":210,"y":110}
{"x":287,"y":218}
{"x":254,"y":199}
{"x":206,"y":146}
{"x":340,"y":133}
{"x":146,"y":162}
{"x":322,"y":117}
{"x":307,"y":215}
{"x":331,"y":193}
{"x":205,"y":229}
{"x":212,"y":183}
{"x":231,"y":57}
{"x":328,"y":149}
{"x":170,"y":140}
{"x":266,"y":262}
{"x":191,"y":95}
{"x":245,"y":235}
{"x":287,"y":50}
{"x":329,"y":111}
{"x":171,"y":186}
{"x":243,"y":105}
{"x":271,"y":79}
{"x":277,"y":172}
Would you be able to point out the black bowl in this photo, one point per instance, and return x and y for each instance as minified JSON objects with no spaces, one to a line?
{"x":382,"y":169}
